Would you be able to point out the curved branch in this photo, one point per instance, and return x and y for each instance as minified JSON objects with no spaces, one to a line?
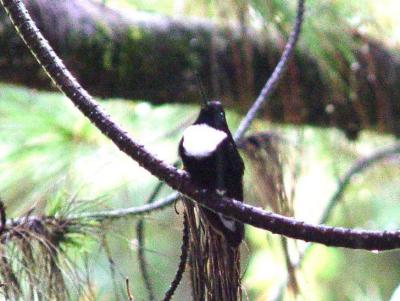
{"x":276,"y":75}
{"x":131,"y":211}
{"x":356,"y":168}
{"x":290,"y":227}
{"x":178,"y":179}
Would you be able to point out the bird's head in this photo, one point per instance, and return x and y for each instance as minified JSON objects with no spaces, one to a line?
{"x":213,"y":115}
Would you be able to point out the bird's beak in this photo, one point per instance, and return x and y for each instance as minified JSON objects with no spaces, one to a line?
{"x":204,"y":102}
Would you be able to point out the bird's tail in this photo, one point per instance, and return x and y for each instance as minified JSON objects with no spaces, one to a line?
{"x":230,"y":229}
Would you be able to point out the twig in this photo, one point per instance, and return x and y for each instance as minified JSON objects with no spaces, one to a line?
{"x":140,"y":238}
{"x":276,"y":75}
{"x":128,"y":290}
{"x":125,"y":212}
{"x":178,"y":179}
{"x":3,"y":217}
{"x":102,"y":215}
{"x":182,"y":260}
{"x":111,"y":262}
{"x":357,"y":167}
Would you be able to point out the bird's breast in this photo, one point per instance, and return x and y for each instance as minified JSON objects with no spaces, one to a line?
{"x":201,"y":140}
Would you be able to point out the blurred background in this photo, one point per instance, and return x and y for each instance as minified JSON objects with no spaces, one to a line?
{"x":54,"y":162}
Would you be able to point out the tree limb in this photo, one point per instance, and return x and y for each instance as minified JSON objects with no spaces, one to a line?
{"x":136,"y":55}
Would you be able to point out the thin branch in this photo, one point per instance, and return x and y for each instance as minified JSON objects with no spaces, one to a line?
{"x":111,"y":262}
{"x":357,"y":167}
{"x":182,"y":260}
{"x":178,"y":179}
{"x":3,"y":217}
{"x":128,"y":290}
{"x":99,"y":216}
{"x":125,"y":212}
{"x":140,"y":238}
{"x":276,"y":75}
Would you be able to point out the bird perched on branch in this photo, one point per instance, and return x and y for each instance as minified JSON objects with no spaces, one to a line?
{"x":210,"y":156}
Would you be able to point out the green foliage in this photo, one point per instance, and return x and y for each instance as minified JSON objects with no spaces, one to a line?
{"x":37,"y":145}
{"x":55,"y":162}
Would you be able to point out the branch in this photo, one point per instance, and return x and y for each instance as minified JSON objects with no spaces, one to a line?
{"x":356,"y":168}
{"x":182,"y":260}
{"x":128,"y":290}
{"x":141,"y":242}
{"x":178,"y":179}
{"x":131,"y":211}
{"x":276,"y":75}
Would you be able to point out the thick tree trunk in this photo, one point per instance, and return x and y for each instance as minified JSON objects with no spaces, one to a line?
{"x":149,"y":57}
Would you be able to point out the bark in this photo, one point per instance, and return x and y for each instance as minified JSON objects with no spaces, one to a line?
{"x":139,"y":56}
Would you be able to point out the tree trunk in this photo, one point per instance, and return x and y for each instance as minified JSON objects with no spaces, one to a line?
{"x":140,"y":56}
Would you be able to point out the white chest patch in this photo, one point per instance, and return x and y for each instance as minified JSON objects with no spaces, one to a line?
{"x":200,"y":140}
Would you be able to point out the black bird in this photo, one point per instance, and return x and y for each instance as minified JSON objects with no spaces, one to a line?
{"x":210,"y":156}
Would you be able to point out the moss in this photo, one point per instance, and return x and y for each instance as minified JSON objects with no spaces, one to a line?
{"x":155,"y":60}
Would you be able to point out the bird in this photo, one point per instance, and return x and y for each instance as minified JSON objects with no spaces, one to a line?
{"x":210,"y":156}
